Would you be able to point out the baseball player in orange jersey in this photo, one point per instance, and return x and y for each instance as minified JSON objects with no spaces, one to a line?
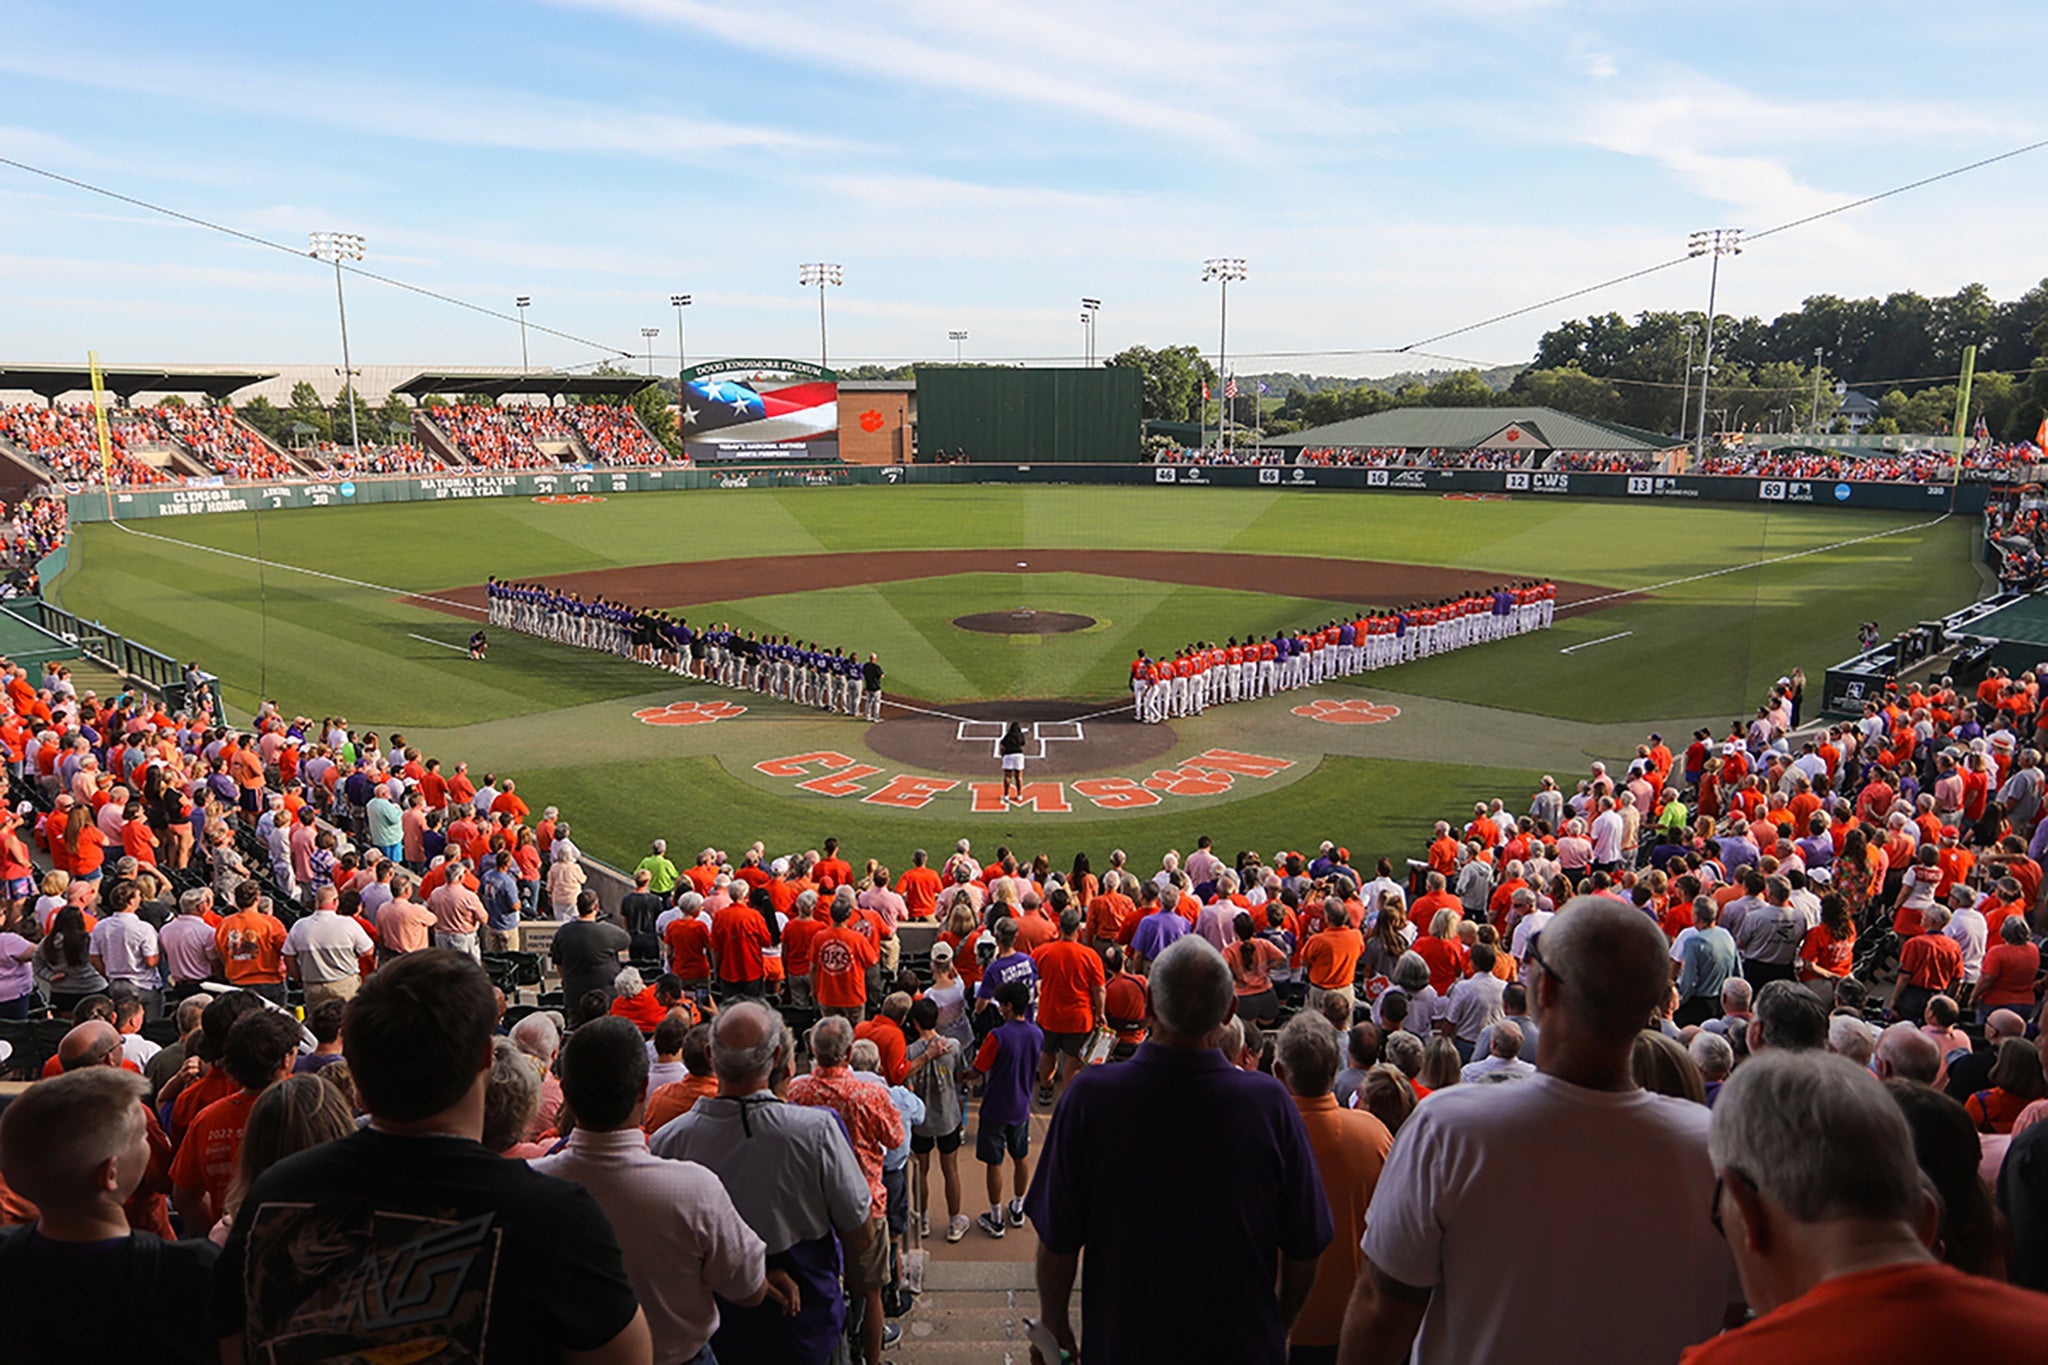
{"x":1268,"y":667}
{"x":1138,"y":684}
{"x":1549,"y":604}
{"x":1233,"y":654}
{"x":1181,"y":686}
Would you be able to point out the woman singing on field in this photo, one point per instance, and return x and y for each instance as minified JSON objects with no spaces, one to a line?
{"x":1011,"y":747}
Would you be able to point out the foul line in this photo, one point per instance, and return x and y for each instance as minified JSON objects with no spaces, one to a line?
{"x":1752,"y":564}
{"x":1588,"y":644}
{"x":906,"y":706}
{"x":313,"y":573}
{"x":443,"y":643}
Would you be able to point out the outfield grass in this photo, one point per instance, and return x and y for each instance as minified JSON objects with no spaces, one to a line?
{"x":1700,"y":649}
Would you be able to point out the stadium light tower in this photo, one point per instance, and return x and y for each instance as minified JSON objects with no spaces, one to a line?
{"x":1089,"y":308}
{"x":956,"y":338}
{"x":1685,"y":380}
{"x":679,"y":302}
{"x":1715,"y":242}
{"x":522,"y":303}
{"x":821,"y":273}
{"x":1223,"y":269}
{"x":648,"y":334}
{"x":1817,"y":353}
{"x":338,"y":247}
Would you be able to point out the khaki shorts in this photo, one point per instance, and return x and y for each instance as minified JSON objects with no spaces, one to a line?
{"x":869,"y":1270}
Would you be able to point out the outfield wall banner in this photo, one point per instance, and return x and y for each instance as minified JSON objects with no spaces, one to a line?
{"x":759,"y":410}
{"x":1932,"y":499}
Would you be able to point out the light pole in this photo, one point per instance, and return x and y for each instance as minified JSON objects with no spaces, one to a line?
{"x":648,"y":334}
{"x":679,"y":302}
{"x":1816,"y":390}
{"x":821,"y":273}
{"x":338,"y":247}
{"x":1089,"y":308}
{"x":1685,"y":380}
{"x":956,"y":338}
{"x":1715,"y":242}
{"x":1223,"y":269}
{"x":522,"y":303}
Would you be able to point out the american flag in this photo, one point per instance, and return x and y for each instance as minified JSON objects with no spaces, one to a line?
{"x":1230,"y":389}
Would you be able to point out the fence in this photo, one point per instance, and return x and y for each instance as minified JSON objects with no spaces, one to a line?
{"x":156,"y":673}
{"x":1966,"y":497}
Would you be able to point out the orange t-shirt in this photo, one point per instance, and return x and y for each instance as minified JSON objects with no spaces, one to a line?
{"x":192,"y":1100}
{"x":1921,"y":1310}
{"x":251,"y":946}
{"x":919,"y":888}
{"x":1331,"y":958}
{"x":675,"y":1098}
{"x":138,"y":841}
{"x":1069,"y":974}
{"x":210,"y":1148}
{"x":839,"y":962}
{"x":689,"y":947}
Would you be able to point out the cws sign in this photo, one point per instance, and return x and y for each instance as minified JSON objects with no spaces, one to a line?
{"x":759,"y":410}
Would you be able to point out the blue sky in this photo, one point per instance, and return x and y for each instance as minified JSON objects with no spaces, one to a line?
{"x":1389,"y":170}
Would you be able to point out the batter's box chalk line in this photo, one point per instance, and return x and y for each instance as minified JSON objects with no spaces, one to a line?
{"x":1043,"y":732}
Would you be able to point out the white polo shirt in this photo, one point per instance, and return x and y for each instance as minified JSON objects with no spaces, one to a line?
{"x":125,"y":944}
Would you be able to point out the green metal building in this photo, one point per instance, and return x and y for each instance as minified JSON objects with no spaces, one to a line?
{"x":1029,"y":416}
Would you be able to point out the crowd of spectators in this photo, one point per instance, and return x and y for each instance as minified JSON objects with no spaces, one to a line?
{"x":29,"y":530}
{"x":1750,"y":1029}
{"x":490,"y":438}
{"x":373,"y":459}
{"x":65,"y":439}
{"x":223,"y":444}
{"x":1990,"y":463}
{"x":509,"y":437}
{"x":614,"y":435}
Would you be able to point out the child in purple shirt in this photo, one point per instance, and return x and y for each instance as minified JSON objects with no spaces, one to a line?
{"x":1009,"y":1058}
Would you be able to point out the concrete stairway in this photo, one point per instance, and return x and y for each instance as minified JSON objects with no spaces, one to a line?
{"x":971,"y":1313}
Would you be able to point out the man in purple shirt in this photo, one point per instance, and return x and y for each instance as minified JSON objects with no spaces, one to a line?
{"x":1009,"y":1058}
{"x":1269,"y":1206}
{"x":1157,"y":931}
{"x":1008,"y":965}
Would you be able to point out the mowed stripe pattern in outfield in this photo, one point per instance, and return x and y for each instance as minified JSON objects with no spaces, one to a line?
{"x":1364,"y":582}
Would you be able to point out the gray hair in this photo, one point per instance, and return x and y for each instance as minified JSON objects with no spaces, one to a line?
{"x":1507,"y":1040}
{"x":1713,"y":1054}
{"x":831,"y":1039}
{"x":865,"y":1056}
{"x":690,"y":902}
{"x":806,"y":902}
{"x":1411,"y":972}
{"x":1819,"y":1135}
{"x":1908,"y":1053}
{"x":1308,"y":1049}
{"x":193,"y":901}
{"x":1192,"y":990}
{"x":628,"y":982}
{"x":1735,"y":994}
{"x":743,"y":1065}
{"x":511,"y":1096}
{"x":1850,"y":1037}
{"x":1404,"y":1050}
{"x":537,"y":1036}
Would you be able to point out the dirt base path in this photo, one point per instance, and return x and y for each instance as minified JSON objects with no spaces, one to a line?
{"x":1365,"y":582}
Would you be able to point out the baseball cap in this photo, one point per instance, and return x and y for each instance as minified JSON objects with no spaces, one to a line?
{"x":1951,"y":832}
{"x":942,"y":952}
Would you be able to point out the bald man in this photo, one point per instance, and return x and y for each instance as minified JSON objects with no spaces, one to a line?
{"x":1614,"y":1180}
{"x":97,"y":1044}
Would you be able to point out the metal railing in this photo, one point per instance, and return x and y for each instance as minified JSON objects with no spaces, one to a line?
{"x":148,"y":669}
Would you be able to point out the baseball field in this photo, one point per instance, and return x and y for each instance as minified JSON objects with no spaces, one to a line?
{"x":1671,"y":616}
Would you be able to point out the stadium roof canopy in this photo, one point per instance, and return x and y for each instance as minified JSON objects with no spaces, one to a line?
{"x":498,"y":384}
{"x":1476,"y":429}
{"x":53,"y":381}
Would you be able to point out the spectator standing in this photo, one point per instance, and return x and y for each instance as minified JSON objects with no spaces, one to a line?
{"x":684,"y":1244}
{"x":1446,"y":1274}
{"x":873,"y":1125}
{"x":1008,"y":1057}
{"x":936,"y":1072}
{"x":500,"y":896}
{"x":77,"y":1147}
{"x":1833,"y":1253}
{"x":418,"y":1043}
{"x":1709,"y":960}
{"x":741,"y":934}
{"x":323,"y":949}
{"x":250,"y":943}
{"x":586,"y":950}
{"x":1270,"y":1209}
{"x":661,"y":873}
{"x":124,"y":949}
{"x":189,"y":953}
{"x":260,"y":1049}
{"x":1350,"y":1148}
{"x":458,"y":913}
{"x":1070,"y":1001}
{"x":792,"y":1176}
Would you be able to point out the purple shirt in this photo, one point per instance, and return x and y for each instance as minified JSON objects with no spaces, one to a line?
{"x":1156,"y":932}
{"x":1015,"y":967}
{"x":1137,"y":1278}
{"x":1009,"y":1056}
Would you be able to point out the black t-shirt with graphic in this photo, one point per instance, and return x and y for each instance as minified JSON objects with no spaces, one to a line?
{"x":378,"y":1246}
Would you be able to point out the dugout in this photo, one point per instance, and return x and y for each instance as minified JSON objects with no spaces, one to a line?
{"x":1029,"y":416}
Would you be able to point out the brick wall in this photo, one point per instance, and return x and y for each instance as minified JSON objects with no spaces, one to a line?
{"x":874,"y":428}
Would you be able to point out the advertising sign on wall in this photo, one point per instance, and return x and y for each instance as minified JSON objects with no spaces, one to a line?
{"x":759,"y":410}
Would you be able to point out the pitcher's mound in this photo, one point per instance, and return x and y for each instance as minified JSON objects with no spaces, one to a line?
{"x":1024,"y":621}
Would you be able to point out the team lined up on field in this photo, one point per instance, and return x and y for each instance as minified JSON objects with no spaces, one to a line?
{"x":804,"y":674}
{"x":1204,"y":675}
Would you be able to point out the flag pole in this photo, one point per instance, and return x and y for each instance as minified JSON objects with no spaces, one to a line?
{"x":99,"y":417}
{"x":1963,"y":411}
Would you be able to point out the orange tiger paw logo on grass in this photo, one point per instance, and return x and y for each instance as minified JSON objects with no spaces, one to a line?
{"x":689,"y":713}
{"x":1354,"y":711}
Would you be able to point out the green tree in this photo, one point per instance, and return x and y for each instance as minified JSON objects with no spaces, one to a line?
{"x":1568,"y":388}
{"x":307,"y":410}
{"x":265,"y":416}
{"x":1172,"y":376}
{"x":394,"y":419}
{"x":658,"y":417}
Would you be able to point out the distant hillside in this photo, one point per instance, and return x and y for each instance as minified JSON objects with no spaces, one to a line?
{"x":1279,"y":383}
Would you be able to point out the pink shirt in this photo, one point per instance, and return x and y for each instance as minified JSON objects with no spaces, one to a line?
{"x":403,"y":926}
{"x":187,"y":944}
{"x":456,"y":909}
